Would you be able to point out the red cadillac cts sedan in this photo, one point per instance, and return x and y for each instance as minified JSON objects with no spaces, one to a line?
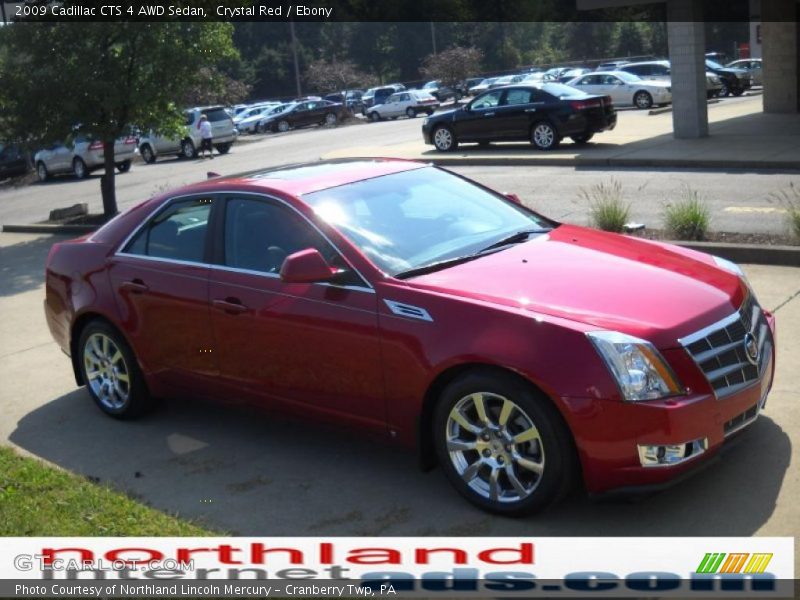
{"x":517,"y":353}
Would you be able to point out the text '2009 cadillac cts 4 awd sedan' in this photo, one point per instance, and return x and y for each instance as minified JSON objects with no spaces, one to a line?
{"x":397,"y":298}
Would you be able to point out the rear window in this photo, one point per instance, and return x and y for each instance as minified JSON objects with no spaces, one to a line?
{"x":561,"y":91}
{"x":216,"y":114}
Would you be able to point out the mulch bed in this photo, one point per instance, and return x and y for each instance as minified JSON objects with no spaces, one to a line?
{"x":728,"y":237}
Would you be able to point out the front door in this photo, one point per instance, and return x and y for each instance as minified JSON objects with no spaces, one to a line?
{"x":306,"y":346}
{"x":477,"y":123}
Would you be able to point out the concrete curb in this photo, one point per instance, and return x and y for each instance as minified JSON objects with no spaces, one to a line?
{"x":754,"y":254}
{"x":533,"y":161}
{"x":52,"y":229}
{"x":787,"y":256}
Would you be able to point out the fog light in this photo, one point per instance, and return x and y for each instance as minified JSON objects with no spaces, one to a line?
{"x":672,"y":454}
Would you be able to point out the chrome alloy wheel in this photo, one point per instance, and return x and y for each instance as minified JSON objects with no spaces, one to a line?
{"x":543,"y":135}
{"x":106,"y":372}
{"x":443,"y":139}
{"x":495,"y":447}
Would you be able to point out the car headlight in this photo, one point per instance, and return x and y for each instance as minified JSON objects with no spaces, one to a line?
{"x":638,"y":368}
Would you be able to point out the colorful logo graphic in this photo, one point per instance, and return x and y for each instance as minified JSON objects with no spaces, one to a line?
{"x":720,"y":562}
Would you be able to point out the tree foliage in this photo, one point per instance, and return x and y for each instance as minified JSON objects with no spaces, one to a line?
{"x":100,"y":79}
{"x":336,"y":76}
{"x":453,"y":65}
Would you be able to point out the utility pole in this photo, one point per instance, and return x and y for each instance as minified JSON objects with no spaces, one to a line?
{"x":296,"y":63}
{"x":433,"y":36}
{"x":3,"y":10}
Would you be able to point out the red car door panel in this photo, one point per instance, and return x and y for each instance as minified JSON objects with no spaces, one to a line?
{"x":315,"y":345}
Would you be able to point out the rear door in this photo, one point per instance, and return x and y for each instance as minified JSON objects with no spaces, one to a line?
{"x":590,"y":84}
{"x":516,"y":112}
{"x":160,"y":280}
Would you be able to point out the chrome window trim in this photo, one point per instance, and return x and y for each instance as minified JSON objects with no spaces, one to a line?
{"x":119,"y":252}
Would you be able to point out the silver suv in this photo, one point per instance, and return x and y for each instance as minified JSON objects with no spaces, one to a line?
{"x":80,"y":156}
{"x":222,"y":130}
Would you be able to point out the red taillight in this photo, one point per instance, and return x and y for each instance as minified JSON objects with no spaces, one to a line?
{"x":96,"y":146}
{"x":585,"y":104}
{"x":130,"y":140}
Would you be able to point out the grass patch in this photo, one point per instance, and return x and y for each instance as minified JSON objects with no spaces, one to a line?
{"x":607,"y":208}
{"x":790,"y":199}
{"x":39,"y":500}
{"x":688,"y":218}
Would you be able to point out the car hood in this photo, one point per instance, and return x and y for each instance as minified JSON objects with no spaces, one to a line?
{"x":654,"y":291}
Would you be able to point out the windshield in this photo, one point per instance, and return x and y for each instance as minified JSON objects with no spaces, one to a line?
{"x":713,"y":64}
{"x":414,"y":218}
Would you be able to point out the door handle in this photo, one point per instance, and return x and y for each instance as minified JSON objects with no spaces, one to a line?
{"x":530,"y":110}
{"x":135,"y":286}
{"x":491,"y":114}
{"x":232,"y":306}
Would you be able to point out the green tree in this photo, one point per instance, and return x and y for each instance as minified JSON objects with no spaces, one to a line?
{"x":100,"y":79}
{"x":453,"y":65}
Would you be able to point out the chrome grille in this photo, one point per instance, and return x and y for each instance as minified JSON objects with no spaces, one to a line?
{"x":720,"y":350}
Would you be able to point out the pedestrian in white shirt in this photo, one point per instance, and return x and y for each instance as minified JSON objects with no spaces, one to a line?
{"x":206,"y":136}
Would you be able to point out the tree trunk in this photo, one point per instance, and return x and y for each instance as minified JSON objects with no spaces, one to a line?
{"x":107,"y":186}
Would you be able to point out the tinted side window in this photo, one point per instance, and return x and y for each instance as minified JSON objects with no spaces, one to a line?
{"x":518,"y":97}
{"x":178,"y":233}
{"x":489,"y":100}
{"x":259,"y":235}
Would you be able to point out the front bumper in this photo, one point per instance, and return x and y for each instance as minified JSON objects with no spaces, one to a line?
{"x":609,"y":432}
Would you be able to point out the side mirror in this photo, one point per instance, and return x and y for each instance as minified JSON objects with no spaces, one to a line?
{"x":514,"y":198}
{"x":306,"y":266}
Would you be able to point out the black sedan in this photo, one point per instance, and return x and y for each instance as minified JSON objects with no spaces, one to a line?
{"x":12,"y":161}
{"x":302,"y":114}
{"x":544,"y":114}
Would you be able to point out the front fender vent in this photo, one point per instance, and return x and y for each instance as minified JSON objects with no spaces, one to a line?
{"x":408,"y":311}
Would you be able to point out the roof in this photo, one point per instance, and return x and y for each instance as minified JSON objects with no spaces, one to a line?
{"x":305,"y":178}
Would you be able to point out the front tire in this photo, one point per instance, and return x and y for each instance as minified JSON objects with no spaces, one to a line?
{"x":642,"y":100}
{"x":502,"y":444}
{"x":111,"y":372}
{"x":283,"y":126}
{"x":330,"y":119}
{"x":444,"y":140}
{"x":374,"y":117}
{"x":124,"y":166}
{"x":724,"y":90}
{"x":738,"y":92}
{"x":411,"y":113}
{"x":544,"y":136}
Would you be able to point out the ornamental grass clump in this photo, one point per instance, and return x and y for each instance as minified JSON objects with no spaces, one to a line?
{"x":688,"y":218}
{"x":607,"y":208}
{"x":790,"y":200}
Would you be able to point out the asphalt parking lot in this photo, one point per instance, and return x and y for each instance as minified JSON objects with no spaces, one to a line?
{"x":739,"y":200}
{"x":247,"y":473}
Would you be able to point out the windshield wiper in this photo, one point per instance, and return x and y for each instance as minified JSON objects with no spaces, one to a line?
{"x":514,"y":238}
{"x":435,"y":266}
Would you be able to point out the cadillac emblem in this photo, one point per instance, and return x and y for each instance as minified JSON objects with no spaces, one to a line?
{"x":751,"y":348}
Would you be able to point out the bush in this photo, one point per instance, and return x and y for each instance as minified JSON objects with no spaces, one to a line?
{"x":790,"y":200}
{"x":608,"y":210}
{"x":688,"y":218}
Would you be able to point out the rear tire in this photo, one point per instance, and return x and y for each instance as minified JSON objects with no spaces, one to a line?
{"x":188,"y":150}
{"x":111,"y":372}
{"x":374,"y":116}
{"x":411,"y":113}
{"x":544,"y":136}
{"x":124,"y":166}
{"x":330,"y":119}
{"x":582,"y":138}
{"x":223,"y":148}
{"x":738,"y":92}
{"x":147,"y":153}
{"x":518,"y":459}
{"x":283,"y":126}
{"x":79,"y":168}
{"x":41,"y":171}
{"x":725,"y":90}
